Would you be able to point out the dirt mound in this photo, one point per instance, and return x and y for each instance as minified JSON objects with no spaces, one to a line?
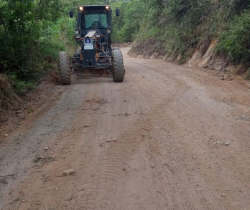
{"x":14,"y":108}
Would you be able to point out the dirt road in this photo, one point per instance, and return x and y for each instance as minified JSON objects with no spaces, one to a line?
{"x":168,"y":138}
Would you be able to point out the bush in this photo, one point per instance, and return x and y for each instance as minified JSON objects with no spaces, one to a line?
{"x":126,"y":27}
{"x":22,"y":33}
{"x":235,"y":41}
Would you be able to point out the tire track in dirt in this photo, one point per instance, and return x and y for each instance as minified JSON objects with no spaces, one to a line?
{"x":112,"y":164}
{"x":157,"y":163}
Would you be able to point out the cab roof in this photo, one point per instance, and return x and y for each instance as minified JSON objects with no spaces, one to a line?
{"x":94,"y":7}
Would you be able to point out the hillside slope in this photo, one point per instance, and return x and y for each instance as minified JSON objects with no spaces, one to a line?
{"x":211,"y":33}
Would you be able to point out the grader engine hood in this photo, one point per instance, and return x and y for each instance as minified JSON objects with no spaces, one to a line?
{"x":89,"y":40}
{"x":89,"y":50}
{"x":93,"y":50}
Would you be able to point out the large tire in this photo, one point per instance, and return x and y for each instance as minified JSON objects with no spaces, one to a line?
{"x":64,"y":68}
{"x":118,"y":66}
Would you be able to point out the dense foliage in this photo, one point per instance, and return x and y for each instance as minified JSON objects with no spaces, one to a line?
{"x":178,"y":27}
{"x":235,"y":41}
{"x":23,"y":29}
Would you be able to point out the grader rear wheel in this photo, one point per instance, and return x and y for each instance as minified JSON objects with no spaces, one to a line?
{"x":118,"y":66}
{"x":64,"y":68}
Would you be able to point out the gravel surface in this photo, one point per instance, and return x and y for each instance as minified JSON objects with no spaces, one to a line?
{"x":168,"y":138}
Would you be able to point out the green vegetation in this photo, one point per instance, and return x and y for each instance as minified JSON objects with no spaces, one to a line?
{"x":126,"y":27}
{"x":235,"y":41}
{"x":178,"y":27}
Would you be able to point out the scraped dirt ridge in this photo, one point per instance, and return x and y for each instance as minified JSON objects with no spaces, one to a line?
{"x":169,"y":137}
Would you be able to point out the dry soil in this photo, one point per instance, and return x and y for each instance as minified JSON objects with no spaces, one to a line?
{"x":168,"y":138}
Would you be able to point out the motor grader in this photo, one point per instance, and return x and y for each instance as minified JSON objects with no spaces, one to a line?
{"x":93,"y":53}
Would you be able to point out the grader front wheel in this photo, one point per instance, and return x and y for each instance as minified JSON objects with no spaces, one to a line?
{"x":64,"y":68}
{"x":118,"y":66}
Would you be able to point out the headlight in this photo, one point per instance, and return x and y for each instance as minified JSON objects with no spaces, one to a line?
{"x":107,"y":7}
{"x":109,"y":31}
{"x":81,"y":8}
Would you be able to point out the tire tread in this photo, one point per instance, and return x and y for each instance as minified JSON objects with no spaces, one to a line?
{"x":64,"y":68}
{"x":118,"y":66}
